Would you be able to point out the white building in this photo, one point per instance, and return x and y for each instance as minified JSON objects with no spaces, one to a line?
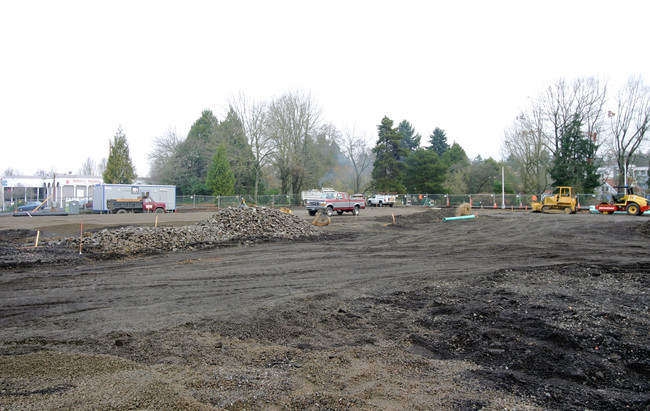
{"x":55,"y":189}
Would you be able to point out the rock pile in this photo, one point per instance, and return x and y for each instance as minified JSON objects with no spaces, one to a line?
{"x":227,"y":226}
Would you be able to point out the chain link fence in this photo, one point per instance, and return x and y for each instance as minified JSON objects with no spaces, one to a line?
{"x":511,"y":201}
{"x":272,"y":200}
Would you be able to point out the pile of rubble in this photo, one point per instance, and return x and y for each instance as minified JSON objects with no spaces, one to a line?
{"x":227,"y":226}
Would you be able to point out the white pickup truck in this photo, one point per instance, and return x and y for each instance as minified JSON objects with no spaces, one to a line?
{"x":379,"y":200}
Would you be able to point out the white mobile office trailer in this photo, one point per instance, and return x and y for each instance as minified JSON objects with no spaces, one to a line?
{"x":105,"y":192}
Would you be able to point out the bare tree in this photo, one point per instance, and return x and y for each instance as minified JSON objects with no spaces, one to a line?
{"x":562,"y":101}
{"x":293,"y":121}
{"x":161,"y":156}
{"x":359,"y":153}
{"x":526,"y":143}
{"x":101,"y":166}
{"x":253,"y":117}
{"x":629,"y":124}
{"x":11,"y":172}
{"x":88,"y":167}
{"x":535,"y":136}
{"x":321,"y":154}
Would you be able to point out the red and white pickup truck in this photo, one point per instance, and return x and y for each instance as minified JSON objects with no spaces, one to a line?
{"x":337,"y":201}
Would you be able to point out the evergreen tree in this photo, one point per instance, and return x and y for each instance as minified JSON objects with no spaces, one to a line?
{"x":220,"y":180}
{"x":457,"y":162}
{"x":425,"y":172}
{"x":193,"y":155}
{"x":203,"y":127}
{"x":119,"y":167}
{"x":230,"y":133}
{"x":410,"y":139}
{"x":575,"y":159}
{"x":387,"y":173}
{"x":455,"y":155}
{"x":190,"y":168}
{"x":438,"y":141}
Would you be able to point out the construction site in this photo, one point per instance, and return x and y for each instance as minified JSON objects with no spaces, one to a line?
{"x":394,"y":308}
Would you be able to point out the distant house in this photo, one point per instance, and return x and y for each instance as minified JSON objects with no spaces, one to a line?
{"x":639,"y":176}
{"x":607,"y":189}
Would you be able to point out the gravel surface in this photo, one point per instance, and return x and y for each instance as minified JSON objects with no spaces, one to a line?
{"x":394,"y":309}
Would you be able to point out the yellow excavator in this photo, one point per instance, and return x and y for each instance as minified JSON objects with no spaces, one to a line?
{"x":562,"y":202}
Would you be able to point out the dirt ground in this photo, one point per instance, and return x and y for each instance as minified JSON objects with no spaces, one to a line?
{"x":394,"y":309}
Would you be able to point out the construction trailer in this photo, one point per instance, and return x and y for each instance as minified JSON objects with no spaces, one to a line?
{"x":158,"y":193}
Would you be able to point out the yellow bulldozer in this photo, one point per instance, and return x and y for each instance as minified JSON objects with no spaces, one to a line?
{"x":564,"y":201}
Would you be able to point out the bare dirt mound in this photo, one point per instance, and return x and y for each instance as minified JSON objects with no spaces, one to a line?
{"x":565,"y":340}
{"x":643,"y":229}
{"x":18,"y":249}
{"x":416,"y":219}
{"x":554,"y":335}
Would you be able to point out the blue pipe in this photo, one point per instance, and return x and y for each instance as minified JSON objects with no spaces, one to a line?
{"x":464,"y":217}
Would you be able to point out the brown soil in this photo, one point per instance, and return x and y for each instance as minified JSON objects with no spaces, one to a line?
{"x":394,"y":309}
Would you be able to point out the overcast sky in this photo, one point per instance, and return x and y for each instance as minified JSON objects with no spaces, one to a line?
{"x":72,"y":72}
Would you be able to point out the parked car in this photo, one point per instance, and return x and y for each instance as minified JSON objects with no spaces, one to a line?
{"x":379,"y":200}
{"x":29,"y":206}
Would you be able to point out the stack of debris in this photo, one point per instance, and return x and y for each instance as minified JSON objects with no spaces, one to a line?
{"x":227,"y":226}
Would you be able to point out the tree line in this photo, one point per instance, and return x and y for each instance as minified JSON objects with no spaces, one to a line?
{"x":573,"y":128}
{"x":284,"y":146}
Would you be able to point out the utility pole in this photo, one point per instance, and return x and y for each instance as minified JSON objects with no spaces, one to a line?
{"x":503,"y":188}
{"x":53,"y":191}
